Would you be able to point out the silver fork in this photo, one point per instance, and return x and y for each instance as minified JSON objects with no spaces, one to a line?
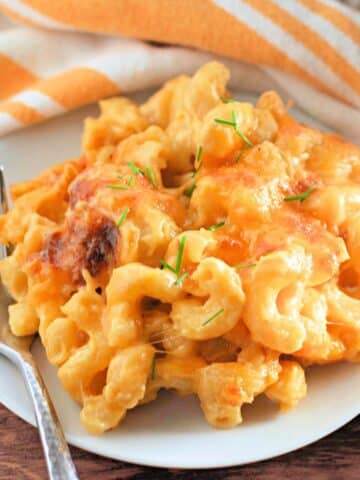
{"x":17,"y":350}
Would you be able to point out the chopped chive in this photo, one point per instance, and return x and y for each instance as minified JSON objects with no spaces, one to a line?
{"x":123,"y":217}
{"x":239,"y":155}
{"x":118,"y":187}
{"x":219,"y":312}
{"x":131,"y":181}
{"x":150,"y":175}
{"x":153,"y":368}
{"x":238,"y":132}
{"x":243,"y":137}
{"x":177,"y":268}
{"x":216,"y":226}
{"x":189,"y":191}
{"x":233,"y":124}
{"x":233,"y":116}
{"x":166,"y":266}
{"x":199,"y":153}
{"x":245,"y":265}
{"x":182,"y":277}
{"x":197,"y":165}
{"x":224,"y":122}
{"x":180,"y":254}
{"x":198,"y":160}
{"x":147,"y":173}
{"x":135,"y":168}
{"x":302,"y":196}
{"x":227,"y":99}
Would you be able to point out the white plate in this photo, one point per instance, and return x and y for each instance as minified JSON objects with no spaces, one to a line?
{"x":171,"y":432}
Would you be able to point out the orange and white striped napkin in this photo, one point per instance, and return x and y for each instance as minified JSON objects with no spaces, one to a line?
{"x":67,"y":53}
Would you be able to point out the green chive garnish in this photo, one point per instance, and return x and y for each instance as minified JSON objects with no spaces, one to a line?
{"x":166,"y":266}
{"x":224,"y":122}
{"x":244,"y":138}
{"x":123,"y":217}
{"x":153,"y":368}
{"x":219,"y":312}
{"x":241,"y":134}
{"x":147,"y":173}
{"x":118,"y":187}
{"x":239,"y":155}
{"x":180,"y":279}
{"x":189,"y":191}
{"x":233,"y":124}
{"x":179,"y":258}
{"x":150,"y":175}
{"x":198,"y":154}
{"x":131,"y":181}
{"x":180,"y":254}
{"x":135,"y":168}
{"x":245,"y":265}
{"x":198,"y":160}
{"x":227,"y":99}
{"x":216,"y":226}
{"x":302,"y":196}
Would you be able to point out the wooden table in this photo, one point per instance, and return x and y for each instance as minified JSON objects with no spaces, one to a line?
{"x":336,"y":457}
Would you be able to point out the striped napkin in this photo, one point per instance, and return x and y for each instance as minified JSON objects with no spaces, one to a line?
{"x":62,"y":54}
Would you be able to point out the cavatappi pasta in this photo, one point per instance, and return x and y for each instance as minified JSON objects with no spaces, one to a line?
{"x":199,"y":244}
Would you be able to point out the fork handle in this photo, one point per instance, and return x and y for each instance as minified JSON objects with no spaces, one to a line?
{"x":57,"y":455}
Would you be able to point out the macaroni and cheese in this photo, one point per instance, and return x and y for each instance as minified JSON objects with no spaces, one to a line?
{"x":199,"y":244}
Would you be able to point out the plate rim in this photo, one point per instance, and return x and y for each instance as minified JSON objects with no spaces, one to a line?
{"x":71,"y":439}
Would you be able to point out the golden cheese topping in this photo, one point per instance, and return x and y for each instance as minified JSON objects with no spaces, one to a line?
{"x":195,"y":242}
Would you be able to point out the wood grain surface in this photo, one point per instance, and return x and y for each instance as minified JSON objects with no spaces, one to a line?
{"x":336,"y":457}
